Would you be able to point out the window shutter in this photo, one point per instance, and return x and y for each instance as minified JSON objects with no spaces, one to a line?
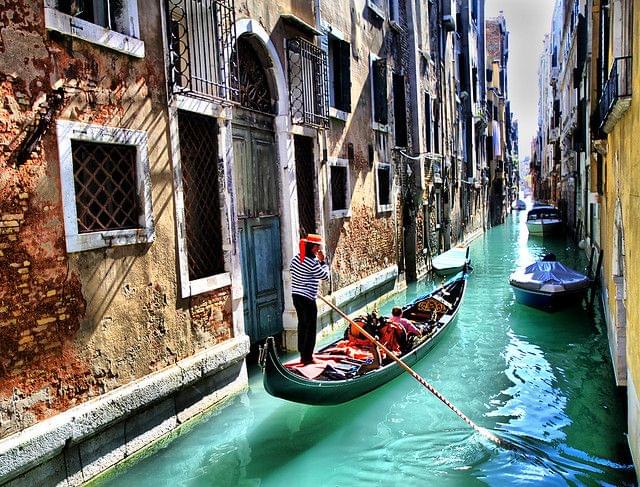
{"x":345,"y":76}
{"x":380,"y":91}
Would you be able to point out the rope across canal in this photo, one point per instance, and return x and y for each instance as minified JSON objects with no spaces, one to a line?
{"x":483,"y":431}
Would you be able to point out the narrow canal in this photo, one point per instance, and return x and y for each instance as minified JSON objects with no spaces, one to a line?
{"x":542,"y":380}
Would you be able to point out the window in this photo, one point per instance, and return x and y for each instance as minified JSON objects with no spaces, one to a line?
{"x":106,"y":188}
{"x":339,"y":75}
{"x":399,"y":111}
{"x":202,"y":214}
{"x":307,"y":69}
{"x":339,"y":185}
{"x":378,"y":69}
{"x":428,"y":135}
{"x":383,"y":187}
{"x":109,"y":23}
{"x":203,"y":48}
{"x":377,"y":7}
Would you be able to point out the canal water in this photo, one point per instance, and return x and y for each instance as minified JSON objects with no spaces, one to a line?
{"x":543,"y":381}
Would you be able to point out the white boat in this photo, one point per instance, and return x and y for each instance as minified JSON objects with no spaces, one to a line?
{"x":451,"y":262}
{"x":543,"y":220}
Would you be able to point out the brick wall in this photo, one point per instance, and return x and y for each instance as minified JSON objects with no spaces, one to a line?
{"x":73,"y":326}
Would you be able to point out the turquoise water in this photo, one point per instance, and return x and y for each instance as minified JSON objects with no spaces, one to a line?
{"x":543,"y":381}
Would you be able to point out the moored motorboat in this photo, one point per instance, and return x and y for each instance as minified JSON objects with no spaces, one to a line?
{"x":548,"y":284}
{"x":337,"y":376}
{"x":519,"y":205}
{"x":451,"y":262}
{"x":543,"y":220}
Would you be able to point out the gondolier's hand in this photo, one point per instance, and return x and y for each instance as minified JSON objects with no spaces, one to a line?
{"x":320,"y":255}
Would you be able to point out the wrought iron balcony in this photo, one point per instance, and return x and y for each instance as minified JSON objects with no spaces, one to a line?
{"x":202,"y":37}
{"x":308,"y":83}
{"x":616,"y":94}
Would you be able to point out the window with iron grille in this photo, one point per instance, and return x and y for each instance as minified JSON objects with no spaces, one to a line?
{"x":105,"y":182}
{"x":383,"y":187}
{"x":109,"y":23}
{"x":106,"y":187}
{"x":202,"y":36}
{"x":308,"y":90}
{"x":202,"y":214}
{"x":340,"y":187}
{"x":379,"y":91}
{"x":339,"y":74}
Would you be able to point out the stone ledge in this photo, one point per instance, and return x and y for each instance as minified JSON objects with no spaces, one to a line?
{"x":44,"y":440}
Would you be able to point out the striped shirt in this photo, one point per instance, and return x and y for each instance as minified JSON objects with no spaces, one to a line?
{"x":305,"y":276}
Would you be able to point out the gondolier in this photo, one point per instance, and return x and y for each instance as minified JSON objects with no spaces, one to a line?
{"x":308,"y":267}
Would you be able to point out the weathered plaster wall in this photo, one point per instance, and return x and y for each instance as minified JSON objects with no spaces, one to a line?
{"x":622,"y":180}
{"x":365,"y":242}
{"x":73,"y":326}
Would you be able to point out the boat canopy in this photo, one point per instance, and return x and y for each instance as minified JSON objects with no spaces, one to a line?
{"x":543,"y":212}
{"x":548,"y":274}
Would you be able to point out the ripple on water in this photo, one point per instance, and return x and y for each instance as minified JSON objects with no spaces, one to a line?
{"x":541,"y":381}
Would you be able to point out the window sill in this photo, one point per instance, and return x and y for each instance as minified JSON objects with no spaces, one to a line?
{"x":338,"y":114}
{"x":95,"y":34}
{"x":375,"y":9}
{"x":384,"y":208}
{"x":210,"y":283}
{"x":340,"y":214}
{"x":395,"y":25}
{"x":80,"y":242}
{"x":380,"y":127}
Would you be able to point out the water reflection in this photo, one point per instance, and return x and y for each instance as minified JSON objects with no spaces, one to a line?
{"x":541,"y":380}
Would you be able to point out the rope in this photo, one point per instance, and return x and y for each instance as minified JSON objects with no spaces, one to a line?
{"x":484,"y":432}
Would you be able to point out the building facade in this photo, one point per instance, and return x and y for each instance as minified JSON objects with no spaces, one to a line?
{"x":594,"y":179}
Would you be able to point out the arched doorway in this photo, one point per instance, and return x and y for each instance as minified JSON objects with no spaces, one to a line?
{"x":620,"y":311}
{"x":257,"y":191}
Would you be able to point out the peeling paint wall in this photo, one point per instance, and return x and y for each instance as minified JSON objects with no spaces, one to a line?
{"x":73,"y":326}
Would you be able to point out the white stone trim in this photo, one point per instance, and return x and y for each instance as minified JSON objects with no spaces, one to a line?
{"x":338,"y":114}
{"x":377,"y":9}
{"x":190,"y":287}
{"x":342,"y":212}
{"x":78,"y":242}
{"x":343,"y":296}
{"x":289,"y":230}
{"x":383,"y":208}
{"x":127,"y":42}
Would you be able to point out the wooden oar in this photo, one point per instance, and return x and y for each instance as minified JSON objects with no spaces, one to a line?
{"x":484,"y":432}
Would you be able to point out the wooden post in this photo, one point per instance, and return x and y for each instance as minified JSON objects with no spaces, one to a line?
{"x":594,"y":285}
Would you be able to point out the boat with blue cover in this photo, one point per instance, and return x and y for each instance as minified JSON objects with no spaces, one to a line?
{"x":336,"y":377}
{"x":548,"y":284}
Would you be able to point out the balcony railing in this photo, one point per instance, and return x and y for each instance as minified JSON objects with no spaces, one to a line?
{"x":616,"y":93}
{"x":202,"y":37}
{"x":308,"y":84}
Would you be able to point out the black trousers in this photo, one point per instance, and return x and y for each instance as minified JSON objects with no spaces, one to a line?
{"x":307,"y":316}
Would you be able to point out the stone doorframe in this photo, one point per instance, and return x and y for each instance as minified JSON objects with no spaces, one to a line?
{"x":284,"y":133}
